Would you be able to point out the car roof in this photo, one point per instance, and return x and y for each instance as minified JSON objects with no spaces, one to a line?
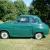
{"x":35,"y":16}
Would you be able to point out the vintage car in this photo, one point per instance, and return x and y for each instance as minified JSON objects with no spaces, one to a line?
{"x":24,"y":26}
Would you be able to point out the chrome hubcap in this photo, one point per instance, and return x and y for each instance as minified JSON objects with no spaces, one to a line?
{"x":4,"y":35}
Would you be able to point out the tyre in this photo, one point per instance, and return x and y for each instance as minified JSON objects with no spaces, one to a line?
{"x":4,"y":35}
{"x":38,"y":36}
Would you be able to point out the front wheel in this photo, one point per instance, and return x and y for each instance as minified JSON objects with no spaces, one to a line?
{"x":4,"y":35}
{"x":38,"y":36}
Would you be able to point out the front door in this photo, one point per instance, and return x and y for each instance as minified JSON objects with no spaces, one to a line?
{"x":23,"y":28}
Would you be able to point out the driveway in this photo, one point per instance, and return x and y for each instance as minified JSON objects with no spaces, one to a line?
{"x":25,"y":44}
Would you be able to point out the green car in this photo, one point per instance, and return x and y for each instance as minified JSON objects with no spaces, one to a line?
{"x":24,"y":26}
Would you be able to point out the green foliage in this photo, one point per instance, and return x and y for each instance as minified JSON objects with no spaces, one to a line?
{"x":10,"y":10}
{"x":40,"y":8}
{"x":7,"y":8}
{"x":21,"y":7}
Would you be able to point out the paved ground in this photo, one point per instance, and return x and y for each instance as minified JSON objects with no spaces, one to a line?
{"x":25,"y":44}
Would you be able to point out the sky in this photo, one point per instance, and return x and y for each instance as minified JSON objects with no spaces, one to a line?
{"x":27,"y":2}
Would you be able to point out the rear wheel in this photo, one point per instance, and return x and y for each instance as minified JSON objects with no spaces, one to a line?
{"x":38,"y":36}
{"x":4,"y":35}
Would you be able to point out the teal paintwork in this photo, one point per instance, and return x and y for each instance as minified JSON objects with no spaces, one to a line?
{"x":25,"y":29}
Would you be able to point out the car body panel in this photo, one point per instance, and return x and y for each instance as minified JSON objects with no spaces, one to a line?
{"x":18,"y":29}
{"x":29,"y":29}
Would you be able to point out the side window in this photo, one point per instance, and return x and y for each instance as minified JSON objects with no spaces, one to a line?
{"x":23,"y":20}
{"x":33,"y":20}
